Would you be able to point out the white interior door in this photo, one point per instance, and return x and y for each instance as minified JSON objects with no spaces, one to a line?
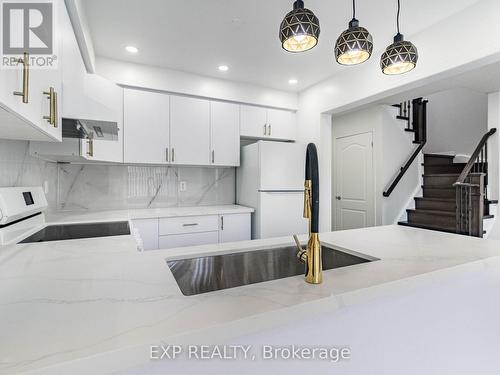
{"x":354,"y":184}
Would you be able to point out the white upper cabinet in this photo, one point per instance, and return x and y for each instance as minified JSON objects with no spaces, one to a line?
{"x":264,"y":123}
{"x":189,"y":131}
{"x":146,"y":127}
{"x":225,"y":134}
{"x":23,"y":116}
{"x":253,"y":121}
{"x":83,"y":96}
{"x":281,"y":124}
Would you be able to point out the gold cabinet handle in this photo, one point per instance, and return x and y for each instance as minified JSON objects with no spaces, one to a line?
{"x":90,"y":146}
{"x":26,"y":77}
{"x":55,"y":123}
{"x":52,"y":117}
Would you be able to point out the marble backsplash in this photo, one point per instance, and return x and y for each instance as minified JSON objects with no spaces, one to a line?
{"x":98,"y":187}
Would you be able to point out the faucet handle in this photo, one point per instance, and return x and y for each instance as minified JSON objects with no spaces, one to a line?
{"x":301,"y":253}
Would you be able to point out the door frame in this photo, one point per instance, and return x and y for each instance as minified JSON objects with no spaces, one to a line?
{"x":334,"y":172}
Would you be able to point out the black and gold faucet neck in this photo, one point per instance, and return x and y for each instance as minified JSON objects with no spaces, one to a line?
{"x":311,"y":256}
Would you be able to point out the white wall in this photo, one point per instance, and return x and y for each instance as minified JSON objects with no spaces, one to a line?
{"x":445,"y":51}
{"x":456,"y":121}
{"x":392,"y":147}
{"x":175,"y":81}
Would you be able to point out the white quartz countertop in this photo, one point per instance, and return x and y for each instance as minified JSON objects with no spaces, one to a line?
{"x":84,"y":303}
{"x":143,"y":213}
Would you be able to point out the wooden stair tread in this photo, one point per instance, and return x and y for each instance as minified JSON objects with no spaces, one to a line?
{"x":429,"y":227}
{"x":440,"y":156}
{"x":440,"y":174}
{"x":431,"y":212}
{"x":435,"y":199}
{"x":406,"y":118}
{"x":488,"y":216}
{"x":438,"y":187}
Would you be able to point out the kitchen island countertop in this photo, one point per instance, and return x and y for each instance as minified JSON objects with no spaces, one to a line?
{"x":99,"y":303}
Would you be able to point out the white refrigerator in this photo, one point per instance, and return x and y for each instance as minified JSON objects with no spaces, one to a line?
{"x":271,"y":180}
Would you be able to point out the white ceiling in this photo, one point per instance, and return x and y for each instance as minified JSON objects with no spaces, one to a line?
{"x":199,"y":35}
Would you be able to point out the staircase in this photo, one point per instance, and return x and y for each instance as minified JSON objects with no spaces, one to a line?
{"x":453,"y":194}
{"x":437,"y":208}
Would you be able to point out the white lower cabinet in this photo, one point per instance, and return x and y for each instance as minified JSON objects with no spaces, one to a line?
{"x":191,"y":239}
{"x":170,"y":232}
{"x":148,"y":232}
{"x":234,"y":227}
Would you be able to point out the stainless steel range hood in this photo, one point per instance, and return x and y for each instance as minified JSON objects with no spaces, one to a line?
{"x":89,"y":129}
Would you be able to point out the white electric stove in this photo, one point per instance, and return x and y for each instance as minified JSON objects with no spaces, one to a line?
{"x":22,"y":220}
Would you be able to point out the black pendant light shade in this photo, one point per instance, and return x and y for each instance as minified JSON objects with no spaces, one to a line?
{"x":401,"y":56}
{"x":299,"y":30}
{"x":354,"y":46}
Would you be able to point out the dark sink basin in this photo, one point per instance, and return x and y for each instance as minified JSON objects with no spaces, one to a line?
{"x":211,"y":273}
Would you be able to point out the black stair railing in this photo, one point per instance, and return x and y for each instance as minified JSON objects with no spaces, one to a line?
{"x":418,"y":122}
{"x":471,"y":188}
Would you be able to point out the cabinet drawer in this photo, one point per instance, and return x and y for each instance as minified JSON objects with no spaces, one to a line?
{"x":189,"y":239}
{"x":188,"y":224}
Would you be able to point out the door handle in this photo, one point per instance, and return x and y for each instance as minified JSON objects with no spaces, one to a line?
{"x":338,"y":197}
{"x":173,"y":155}
{"x":26,"y":77}
{"x":166,"y":154}
{"x":265,"y":129}
{"x":269,"y":129}
{"x":222,"y":223}
{"x":213,"y":156}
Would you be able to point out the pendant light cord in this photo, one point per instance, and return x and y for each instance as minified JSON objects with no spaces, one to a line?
{"x":397,"y":18}
{"x":353,"y":8}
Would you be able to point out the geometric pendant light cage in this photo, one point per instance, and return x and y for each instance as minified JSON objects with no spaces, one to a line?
{"x":401,"y":56}
{"x":299,"y":30}
{"x":354,"y":45}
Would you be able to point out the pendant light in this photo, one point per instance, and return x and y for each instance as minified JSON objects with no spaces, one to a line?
{"x":401,"y":56}
{"x":355,"y":45}
{"x":299,"y":30}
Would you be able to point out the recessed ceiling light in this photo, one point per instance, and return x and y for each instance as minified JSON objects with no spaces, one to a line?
{"x":223,"y":68}
{"x":293,"y":81}
{"x":131,"y":49}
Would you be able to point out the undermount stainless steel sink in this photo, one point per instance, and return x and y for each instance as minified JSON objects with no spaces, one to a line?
{"x":211,"y":273}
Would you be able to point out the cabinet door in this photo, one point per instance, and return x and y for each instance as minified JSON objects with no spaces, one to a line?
{"x":148,"y":232}
{"x":146,"y":127}
{"x":235,"y":227}
{"x":40,"y":79}
{"x":281,"y":124}
{"x":189,"y":131}
{"x":253,"y":122}
{"x":225,"y":134}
